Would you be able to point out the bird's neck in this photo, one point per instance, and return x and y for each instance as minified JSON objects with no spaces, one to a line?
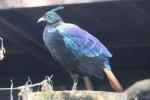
{"x":56,"y":24}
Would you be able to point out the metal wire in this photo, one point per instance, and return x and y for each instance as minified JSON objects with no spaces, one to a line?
{"x":29,"y":83}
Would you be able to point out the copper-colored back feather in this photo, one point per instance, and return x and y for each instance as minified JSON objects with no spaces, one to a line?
{"x":113,"y":81}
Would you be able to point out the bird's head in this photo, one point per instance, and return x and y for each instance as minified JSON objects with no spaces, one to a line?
{"x":51,"y":16}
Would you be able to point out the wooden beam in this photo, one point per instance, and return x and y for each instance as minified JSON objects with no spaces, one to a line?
{"x":7,"y":4}
{"x":77,"y":95}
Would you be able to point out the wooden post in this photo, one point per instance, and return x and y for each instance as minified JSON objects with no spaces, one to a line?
{"x":2,"y":49}
{"x":77,"y":95}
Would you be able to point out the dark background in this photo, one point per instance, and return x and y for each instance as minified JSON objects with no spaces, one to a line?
{"x":123,"y":26}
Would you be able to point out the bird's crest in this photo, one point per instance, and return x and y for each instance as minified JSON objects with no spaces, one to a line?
{"x":51,"y":16}
{"x":58,"y":8}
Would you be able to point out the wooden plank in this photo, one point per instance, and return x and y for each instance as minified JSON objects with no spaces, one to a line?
{"x":6,"y":4}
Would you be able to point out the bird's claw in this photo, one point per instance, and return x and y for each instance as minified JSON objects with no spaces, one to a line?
{"x":74,"y":88}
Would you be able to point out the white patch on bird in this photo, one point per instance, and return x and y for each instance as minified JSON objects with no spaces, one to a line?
{"x":64,"y":26}
{"x":51,"y":30}
{"x":101,"y":50}
{"x":60,"y":28}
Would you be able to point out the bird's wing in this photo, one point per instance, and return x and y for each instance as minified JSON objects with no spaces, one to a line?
{"x":81,"y":42}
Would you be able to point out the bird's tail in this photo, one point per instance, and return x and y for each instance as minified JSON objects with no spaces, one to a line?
{"x":113,"y":81}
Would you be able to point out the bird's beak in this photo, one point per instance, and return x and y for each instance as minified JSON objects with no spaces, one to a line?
{"x":41,"y":19}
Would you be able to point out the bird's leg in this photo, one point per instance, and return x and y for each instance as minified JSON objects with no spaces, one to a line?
{"x":75,"y":82}
{"x":75,"y":78}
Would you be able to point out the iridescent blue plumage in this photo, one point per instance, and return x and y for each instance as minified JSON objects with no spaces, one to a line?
{"x":81,"y":42}
{"x":76,"y":50}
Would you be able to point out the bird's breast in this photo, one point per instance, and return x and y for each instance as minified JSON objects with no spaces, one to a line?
{"x":53,"y":39}
{"x":48,"y":33}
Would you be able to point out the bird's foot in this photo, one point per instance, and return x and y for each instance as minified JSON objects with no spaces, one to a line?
{"x":74,"y":88}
